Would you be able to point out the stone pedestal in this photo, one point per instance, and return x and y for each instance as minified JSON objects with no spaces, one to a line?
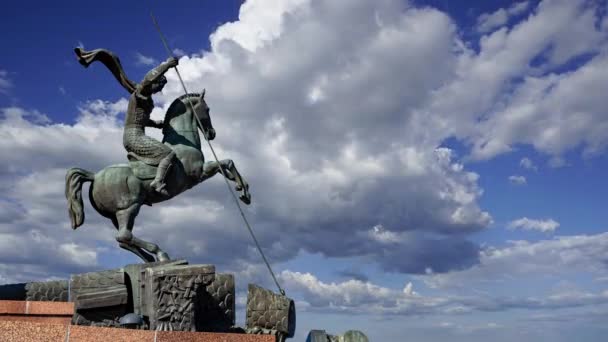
{"x":268,"y":312}
{"x":215,"y":305}
{"x":29,"y":332}
{"x":170,"y":292}
{"x":30,"y":311}
{"x":162,"y":296}
{"x":100,"y":298}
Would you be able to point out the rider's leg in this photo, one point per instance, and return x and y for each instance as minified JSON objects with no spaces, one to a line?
{"x":158,"y":183}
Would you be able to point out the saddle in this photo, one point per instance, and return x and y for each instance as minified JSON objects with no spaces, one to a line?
{"x":140,"y":169}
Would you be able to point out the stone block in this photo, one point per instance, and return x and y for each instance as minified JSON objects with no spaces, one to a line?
{"x":268,"y":312}
{"x":56,"y":312}
{"x":179,"y":336}
{"x":104,"y":334}
{"x":36,"y":332}
{"x":49,"y":312}
{"x":12,"y":307}
{"x":170,"y":293}
{"x":100,"y":298}
{"x":50,"y":308}
{"x":215,"y":306}
{"x":136,"y":280}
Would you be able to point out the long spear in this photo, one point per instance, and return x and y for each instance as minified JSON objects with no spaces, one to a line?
{"x":257,"y":244}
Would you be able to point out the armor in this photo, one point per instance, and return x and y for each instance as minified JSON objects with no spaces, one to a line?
{"x":135,"y":140}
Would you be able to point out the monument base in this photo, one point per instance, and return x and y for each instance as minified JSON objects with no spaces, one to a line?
{"x":20,"y":331}
{"x":161,"y":296}
{"x":41,"y":312}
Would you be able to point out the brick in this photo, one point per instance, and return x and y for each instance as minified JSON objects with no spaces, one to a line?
{"x":79,"y":333}
{"x":31,"y":332}
{"x":51,"y":308}
{"x":38,"y":319}
{"x":12,"y":307}
{"x":24,"y":330}
{"x":181,"y":336}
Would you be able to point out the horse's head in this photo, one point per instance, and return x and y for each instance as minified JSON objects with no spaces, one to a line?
{"x":182,"y":115}
{"x":201,"y":109}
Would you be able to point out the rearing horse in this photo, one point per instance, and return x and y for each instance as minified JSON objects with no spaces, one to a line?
{"x":118,"y":191}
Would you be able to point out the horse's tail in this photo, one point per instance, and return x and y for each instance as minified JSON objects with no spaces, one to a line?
{"x":73,"y":193}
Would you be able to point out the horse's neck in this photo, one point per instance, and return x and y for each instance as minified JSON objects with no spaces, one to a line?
{"x":182,"y":130}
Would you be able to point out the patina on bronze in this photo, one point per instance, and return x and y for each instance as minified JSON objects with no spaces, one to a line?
{"x":157,"y":171}
{"x":169,"y":296}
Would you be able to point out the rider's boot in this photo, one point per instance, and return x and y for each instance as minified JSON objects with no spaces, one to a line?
{"x":158,"y":184}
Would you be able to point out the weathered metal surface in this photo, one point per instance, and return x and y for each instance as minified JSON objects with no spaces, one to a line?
{"x":103,"y":297}
{"x":267,"y":310}
{"x":215,"y":305}
{"x":48,"y":291}
{"x":170,"y":295}
{"x":354,"y":336}
{"x":135,"y":278}
{"x":116,"y":190}
{"x":317,"y":336}
{"x":99,"y":289}
{"x":100,"y":298}
{"x":349,"y":336}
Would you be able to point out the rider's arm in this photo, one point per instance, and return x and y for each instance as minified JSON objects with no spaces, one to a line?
{"x":156,"y":73}
{"x":155,"y":123}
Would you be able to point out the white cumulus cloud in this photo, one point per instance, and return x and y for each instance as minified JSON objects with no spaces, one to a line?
{"x":517,"y":180}
{"x":558,"y":257}
{"x":548,"y":225}
{"x":141,"y":59}
{"x":5,"y":82}
{"x":489,"y":21}
{"x":528,"y":164}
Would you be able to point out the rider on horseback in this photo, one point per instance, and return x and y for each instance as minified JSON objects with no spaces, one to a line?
{"x":135,"y":140}
{"x":118,"y":191}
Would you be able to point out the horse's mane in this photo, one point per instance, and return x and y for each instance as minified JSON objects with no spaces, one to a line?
{"x":172,"y":110}
{"x":188,"y":95}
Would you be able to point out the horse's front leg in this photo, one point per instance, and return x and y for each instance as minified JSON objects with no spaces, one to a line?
{"x":242,"y":185}
{"x":211,"y":168}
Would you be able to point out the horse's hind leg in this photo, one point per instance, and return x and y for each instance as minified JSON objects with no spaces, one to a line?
{"x":125,"y":219}
{"x":133,"y":249}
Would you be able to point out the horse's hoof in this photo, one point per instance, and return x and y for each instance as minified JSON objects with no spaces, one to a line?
{"x":246,"y":199}
{"x":163,"y":257}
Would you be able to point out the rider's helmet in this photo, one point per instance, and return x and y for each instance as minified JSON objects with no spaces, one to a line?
{"x":131,"y":321}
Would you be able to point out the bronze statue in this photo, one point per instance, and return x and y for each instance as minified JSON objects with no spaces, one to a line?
{"x":156,"y":171}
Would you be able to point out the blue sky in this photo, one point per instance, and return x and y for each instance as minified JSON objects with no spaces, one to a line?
{"x":419,"y":169}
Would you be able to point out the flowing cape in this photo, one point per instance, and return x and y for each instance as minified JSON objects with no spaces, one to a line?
{"x":111,"y":62}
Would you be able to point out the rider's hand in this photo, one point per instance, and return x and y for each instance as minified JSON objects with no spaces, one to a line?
{"x":172,"y":61}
